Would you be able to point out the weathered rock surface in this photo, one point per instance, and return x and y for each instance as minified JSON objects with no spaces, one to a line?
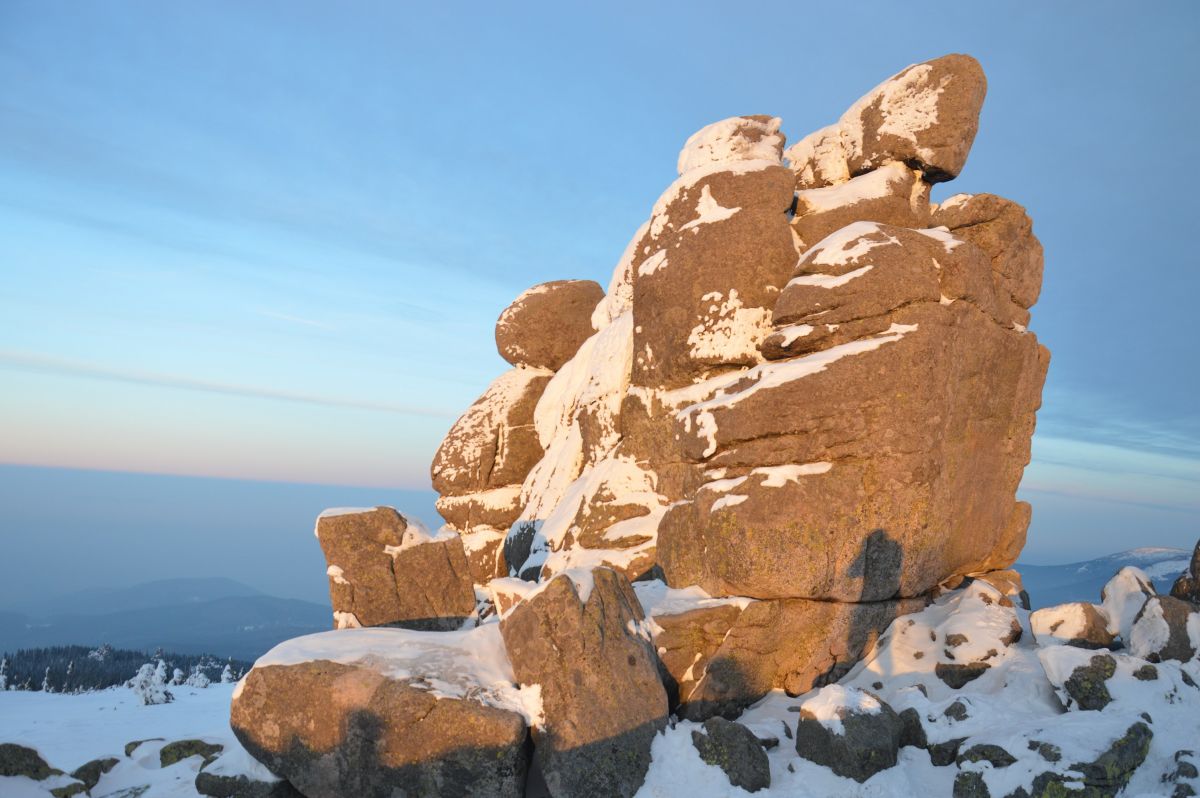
{"x":375,"y":725}
{"x":545,"y":325}
{"x":926,"y":115}
{"x":964,"y":431}
{"x":686,"y":642}
{"x":385,"y":572}
{"x":734,"y":748}
{"x":790,"y":644}
{"x":602,"y":699}
{"x":18,"y":760}
{"x":1187,"y":586}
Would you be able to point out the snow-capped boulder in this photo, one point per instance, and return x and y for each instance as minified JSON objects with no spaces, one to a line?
{"x":1123,"y":597}
{"x":739,"y":138}
{"x":734,"y":748}
{"x":581,"y":640}
{"x":850,"y":731}
{"x":1166,"y":628}
{"x":383,"y":712}
{"x":1187,"y":586}
{"x":926,"y":115}
{"x":544,"y":326}
{"x":1075,"y":624}
{"x":386,"y":571}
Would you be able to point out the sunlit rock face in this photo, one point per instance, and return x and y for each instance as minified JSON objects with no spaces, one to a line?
{"x":803,"y":382}
{"x":798,"y":414}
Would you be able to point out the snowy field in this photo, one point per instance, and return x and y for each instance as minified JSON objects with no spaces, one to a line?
{"x":1021,"y":703}
{"x":70,"y":730}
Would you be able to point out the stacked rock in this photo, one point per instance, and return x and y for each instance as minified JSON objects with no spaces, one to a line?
{"x":804,"y":402}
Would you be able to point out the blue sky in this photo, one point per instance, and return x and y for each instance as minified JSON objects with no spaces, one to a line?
{"x":269,"y":241}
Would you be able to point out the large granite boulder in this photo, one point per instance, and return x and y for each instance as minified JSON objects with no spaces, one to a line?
{"x":581,"y":637}
{"x":790,"y":644}
{"x":377,"y":713}
{"x":915,"y":399}
{"x":384,"y":571}
{"x":545,"y":325}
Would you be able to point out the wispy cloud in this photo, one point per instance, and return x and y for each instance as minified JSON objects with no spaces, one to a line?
{"x":47,"y":364}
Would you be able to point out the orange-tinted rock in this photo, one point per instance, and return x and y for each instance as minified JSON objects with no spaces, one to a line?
{"x":382,"y":572}
{"x":794,"y":645}
{"x":351,"y":728}
{"x":545,"y":325}
{"x":602,"y":698}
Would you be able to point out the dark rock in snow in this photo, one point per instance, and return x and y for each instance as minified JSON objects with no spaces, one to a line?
{"x":1086,"y":685}
{"x":182,"y":749}
{"x":867,"y":743}
{"x":994,"y":755}
{"x":734,"y":748}
{"x":17,"y":760}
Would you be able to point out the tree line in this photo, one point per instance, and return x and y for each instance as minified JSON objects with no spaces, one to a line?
{"x":75,"y":669}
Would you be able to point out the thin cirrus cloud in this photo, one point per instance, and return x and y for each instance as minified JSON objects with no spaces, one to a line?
{"x":45,"y":364}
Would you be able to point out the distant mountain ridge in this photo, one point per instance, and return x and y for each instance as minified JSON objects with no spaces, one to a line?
{"x":193,"y":616}
{"x":1048,"y":585}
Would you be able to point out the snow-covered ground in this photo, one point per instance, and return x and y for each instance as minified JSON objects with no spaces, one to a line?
{"x":1018,"y":703}
{"x":70,"y":730}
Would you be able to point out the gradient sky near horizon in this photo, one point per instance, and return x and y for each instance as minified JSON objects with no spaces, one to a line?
{"x":269,"y":240}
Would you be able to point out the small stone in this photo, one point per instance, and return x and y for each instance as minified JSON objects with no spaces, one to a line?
{"x":1086,"y":685}
{"x":945,"y":753}
{"x":734,"y":748}
{"x":970,"y":784}
{"x":1146,"y":673}
{"x":994,"y":755}
{"x":1047,"y":751}
{"x":957,"y":676}
{"x":182,"y":749}
{"x":956,"y":711}
{"x":90,"y":772}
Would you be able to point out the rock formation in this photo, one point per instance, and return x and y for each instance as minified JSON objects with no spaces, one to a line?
{"x":800,"y":411}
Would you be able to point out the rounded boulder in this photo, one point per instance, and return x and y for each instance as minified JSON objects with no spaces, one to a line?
{"x":545,"y":325}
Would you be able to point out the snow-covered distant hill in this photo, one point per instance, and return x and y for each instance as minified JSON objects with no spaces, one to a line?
{"x":1081,"y":581}
{"x":191,"y":616}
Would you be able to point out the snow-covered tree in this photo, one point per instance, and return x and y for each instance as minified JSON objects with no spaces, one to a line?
{"x":177,"y":677}
{"x":4,"y":673}
{"x":46,"y":687}
{"x":67,"y":680}
{"x":227,"y":675}
{"x":197,"y":678}
{"x":150,"y":684}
